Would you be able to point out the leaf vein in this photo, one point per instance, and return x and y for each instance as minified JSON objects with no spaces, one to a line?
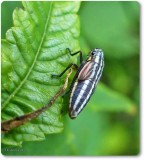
{"x":38,"y":51}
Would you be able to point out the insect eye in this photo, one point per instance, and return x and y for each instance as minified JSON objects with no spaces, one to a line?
{"x":92,"y":53}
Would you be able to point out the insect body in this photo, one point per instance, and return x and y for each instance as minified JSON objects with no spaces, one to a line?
{"x":85,"y":80}
{"x":88,"y":77}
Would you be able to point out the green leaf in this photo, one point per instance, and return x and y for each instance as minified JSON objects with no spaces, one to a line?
{"x":91,"y":134}
{"x":69,"y":142}
{"x":108,"y":100}
{"x":34,"y":49}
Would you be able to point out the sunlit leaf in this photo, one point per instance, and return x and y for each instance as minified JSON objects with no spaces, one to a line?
{"x":34,"y":49}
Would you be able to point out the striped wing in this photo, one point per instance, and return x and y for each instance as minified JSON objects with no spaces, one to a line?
{"x":85,"y":72}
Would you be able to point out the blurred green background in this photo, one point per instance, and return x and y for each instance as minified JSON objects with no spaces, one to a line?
{"x":109,"y":128}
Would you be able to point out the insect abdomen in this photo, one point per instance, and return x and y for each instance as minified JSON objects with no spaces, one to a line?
{"x":81,"y":95}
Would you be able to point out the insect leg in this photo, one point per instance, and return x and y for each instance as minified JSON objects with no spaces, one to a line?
{"x":65,"y":93}
{"x":59,"y":75}
{"x":69,"y":66}
{"x":70,"y":88}
{"x":73,"y":81}
{"x":72,"y":54}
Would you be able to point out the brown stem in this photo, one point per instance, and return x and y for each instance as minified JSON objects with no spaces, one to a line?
{"x":18,"y":121}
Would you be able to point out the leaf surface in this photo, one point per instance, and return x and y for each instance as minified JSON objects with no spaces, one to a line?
{"x":34,"y":49}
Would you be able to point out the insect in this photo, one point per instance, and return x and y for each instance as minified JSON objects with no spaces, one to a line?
{"x":85,"y":80}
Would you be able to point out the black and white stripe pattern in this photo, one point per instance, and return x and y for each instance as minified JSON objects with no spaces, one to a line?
{"x":83,"y":89}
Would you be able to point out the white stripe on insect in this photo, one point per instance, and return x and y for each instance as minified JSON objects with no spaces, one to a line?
{"x":95,"y":83}
{"x":89,"y":94}
{"x":97,"y":59}
{"x":94,"y":70}
{"x":86,"y":83}
{"x":75,"y":85}
{"x":80,"y":94}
